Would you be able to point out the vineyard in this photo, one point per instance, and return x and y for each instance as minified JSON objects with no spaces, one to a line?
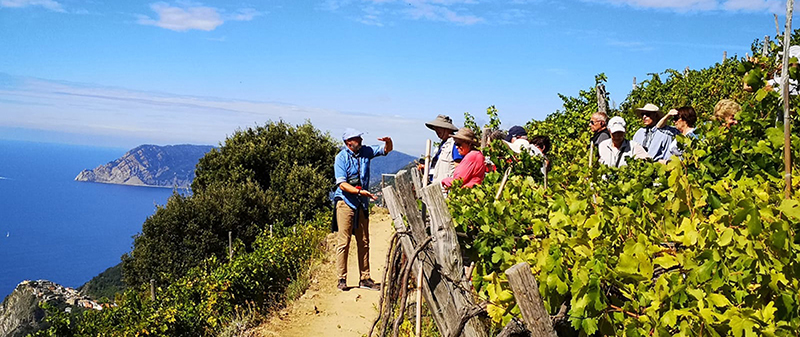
{"x":703,"y":246}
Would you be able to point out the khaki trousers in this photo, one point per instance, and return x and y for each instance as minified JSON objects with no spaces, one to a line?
{"x":344,"y":219}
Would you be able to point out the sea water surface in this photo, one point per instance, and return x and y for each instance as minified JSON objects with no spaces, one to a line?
{"x":55,"y":228}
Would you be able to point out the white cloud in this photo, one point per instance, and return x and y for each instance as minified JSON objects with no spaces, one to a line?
{"x":118,"y":113}
{"x":49,"y":4}
{"x":245,"y":14}
{"x":375,"y":12}
{"x":187,"y":16}
{"x":773,"y":6}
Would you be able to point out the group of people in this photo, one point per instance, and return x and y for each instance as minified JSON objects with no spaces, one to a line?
{"x":458,"y":158}
{"x":655,"y":140}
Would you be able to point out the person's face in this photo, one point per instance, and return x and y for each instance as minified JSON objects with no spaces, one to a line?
{"x":442,"y":133}
{"x":354,"y":144}
{"x":648,"y":118}
{"x":463,"y":147}
{"x":595,"y":124}
{"x":618,"y":137}
{"x":680,"y":124}
{"x":730,"y":121}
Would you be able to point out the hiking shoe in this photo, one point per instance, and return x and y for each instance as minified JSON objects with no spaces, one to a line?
{"x":342,"y":284}
{"x":368,"y":284}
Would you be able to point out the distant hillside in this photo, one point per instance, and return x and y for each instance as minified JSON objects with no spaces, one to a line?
{"x":150,"y":165}
{"x":390,"y":164}
{"x":105,"y":285}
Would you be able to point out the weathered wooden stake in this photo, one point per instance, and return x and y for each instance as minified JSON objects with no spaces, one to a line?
{"x":153,"y":289}
{"x":787,"y":122}
{"x":230,"y":245}
{"x":418,"y":325}
{"x":270,"y":230}
{"x":602,"y":105}
{"x":502,"y":183}
{"x":427,"y":162}
{"x":526,"y":292}
{"x":765,"y":47}
{"x":777,"y":25}
{"x":724,"y":55}
{"x":485,"y":137}
{"x":634,"y":82}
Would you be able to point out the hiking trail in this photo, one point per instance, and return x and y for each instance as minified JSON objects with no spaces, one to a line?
{"x":324,"y":310}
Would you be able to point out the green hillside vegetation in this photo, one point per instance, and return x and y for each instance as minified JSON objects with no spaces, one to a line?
{"x":104,"y":286}
{"x":273,"y":177}
{"x":703,"y":246}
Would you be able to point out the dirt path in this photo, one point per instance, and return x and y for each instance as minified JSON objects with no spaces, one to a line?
{"x":326,"y":311}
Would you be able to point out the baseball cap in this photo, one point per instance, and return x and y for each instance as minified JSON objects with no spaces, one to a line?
{"x":351,"y":133}
{"x":616,"y":124}
{"x":515,"y":131}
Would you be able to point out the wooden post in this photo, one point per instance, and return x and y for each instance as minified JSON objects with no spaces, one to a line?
{"x":502,"y":183}
{"x":787,"y":122}
{"x":765,"y":47}
{"x":153,"y":289}
{"x":634,"y":82}
{"x":433,"y":293}
{"x":602,"y":105}
{"x":526,"y":292}
{"x":448,"y":255}
{"x":418,"y":322}
{"x":777,"y":26}
{"x":427,"y":163}
{"x":591,"y":154}
{"x":270,"y":230}
{"x":230,"y":245}
{"x":485,"y":137}
{"x":445,"y":288}
{"x":724,"y":55}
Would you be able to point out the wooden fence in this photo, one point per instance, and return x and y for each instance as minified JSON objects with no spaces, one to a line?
{"x":446,"y":288}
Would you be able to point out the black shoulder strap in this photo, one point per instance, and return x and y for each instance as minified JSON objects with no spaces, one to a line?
{"x":625,"y":144}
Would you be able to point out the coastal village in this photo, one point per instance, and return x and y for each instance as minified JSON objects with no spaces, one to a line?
{"x":47,"y":291}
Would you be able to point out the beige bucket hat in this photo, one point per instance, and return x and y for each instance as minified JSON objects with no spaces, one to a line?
{"x":466,"y":135}
{"x":650,"y":107}
{"x":441,"y":121}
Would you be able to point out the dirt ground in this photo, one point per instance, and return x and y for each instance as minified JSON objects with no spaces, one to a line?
{"x":325,"y":310}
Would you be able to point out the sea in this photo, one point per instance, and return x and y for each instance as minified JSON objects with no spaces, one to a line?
{"x":55,"y":228}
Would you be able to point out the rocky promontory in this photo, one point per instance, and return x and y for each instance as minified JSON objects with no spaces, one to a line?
{"x":150,"y":165}
{"x":21,"y":315}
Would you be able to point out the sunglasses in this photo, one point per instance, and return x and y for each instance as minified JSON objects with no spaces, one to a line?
{"x":648,"y":114}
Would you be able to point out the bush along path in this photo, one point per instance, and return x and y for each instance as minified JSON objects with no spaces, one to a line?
{"x":326,"y":311}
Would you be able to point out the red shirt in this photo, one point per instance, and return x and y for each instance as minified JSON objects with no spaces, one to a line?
{"x":471,"y":170}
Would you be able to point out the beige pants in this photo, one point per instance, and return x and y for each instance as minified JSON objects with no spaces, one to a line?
{"x":344,"y":219}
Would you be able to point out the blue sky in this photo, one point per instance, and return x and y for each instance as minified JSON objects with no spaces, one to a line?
{"x":122,"y":73}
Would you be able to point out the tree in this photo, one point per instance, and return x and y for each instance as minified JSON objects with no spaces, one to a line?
{"x":270,"y":175}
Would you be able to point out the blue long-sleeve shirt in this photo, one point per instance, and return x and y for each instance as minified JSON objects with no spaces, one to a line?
{"x":656,"y":141}
{"x":349,"y":165}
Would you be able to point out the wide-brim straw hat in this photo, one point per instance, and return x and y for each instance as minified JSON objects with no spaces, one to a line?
{"x":650,"y":107}
{"x":466,"y":135}
{"x":441,"y":121}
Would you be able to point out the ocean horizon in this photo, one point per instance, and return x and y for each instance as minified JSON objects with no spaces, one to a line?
{"x":55,"y":228}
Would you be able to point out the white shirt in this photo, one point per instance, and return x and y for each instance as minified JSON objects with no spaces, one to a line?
{"x":611,"y":156}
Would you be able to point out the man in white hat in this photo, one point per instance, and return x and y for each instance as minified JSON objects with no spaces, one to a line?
{"x":614,"y":151}
{"x":351,"y":198}
{"x":654,"y":139}
{"x":444,"y":162}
